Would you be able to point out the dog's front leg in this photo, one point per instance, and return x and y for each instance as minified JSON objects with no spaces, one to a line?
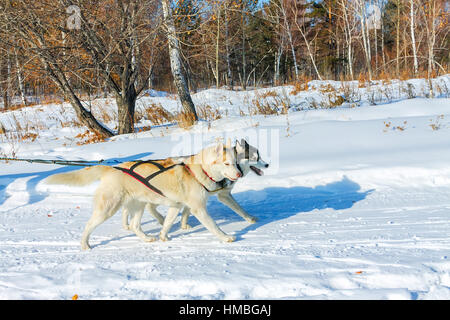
{"x":125,"y":214}
{"x":202,"y":215}
{"x":227,"y":199}
{"x":168,"y":222}
{"x":184,"y":218}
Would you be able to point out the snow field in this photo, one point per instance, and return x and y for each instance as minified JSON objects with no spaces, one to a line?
{"x":355,"y":205}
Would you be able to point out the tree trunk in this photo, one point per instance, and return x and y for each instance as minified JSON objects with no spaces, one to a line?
{"x":365,"y":38}
{"x":413,"y":38}
{"x":244,"y":64}
{"x":20,"y":79}
{"x":376,"y":49}
{"x":217,"y":49}
{"x":179,"y":77}
{"x":348,"y":36}
{"x":5,"y":76}
{"x":277,"y":62}
{"x":383,"y":55}
{"x":398,"y":40}
{"x":125,"y":111}
{"x":227,"y":49}
{"x":83,"y":115}
{"x":294,"y":58}
{"x":431,"y":43}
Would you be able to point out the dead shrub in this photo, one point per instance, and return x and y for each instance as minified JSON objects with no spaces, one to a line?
{"x":185,"y":120}
{"x":208,"y":113}
{"x":88,"y":137}
{"x":301,"y":85}
{"x":278,"y":104}
{"x":363,"y":80}
{"x":2,"y":128}
{"x":327,"y":88}
{"x":157,"y":115}
{"x":334,"y":100}
{"x":29,"y":136}
{"x":269,"y":93}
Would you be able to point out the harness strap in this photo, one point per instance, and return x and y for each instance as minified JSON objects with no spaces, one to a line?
{"x":141,"y":179}
{"x":206,"y":173}
{"x":146,"y":180}
{"x":222,"y":182}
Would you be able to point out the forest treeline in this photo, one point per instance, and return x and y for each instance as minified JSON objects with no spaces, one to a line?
{"x":89,"y":48}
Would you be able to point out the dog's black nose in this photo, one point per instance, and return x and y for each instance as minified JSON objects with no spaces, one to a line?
{"x":267,"y":165}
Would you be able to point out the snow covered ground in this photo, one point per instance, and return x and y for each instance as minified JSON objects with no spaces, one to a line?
{"x":355,"y":205}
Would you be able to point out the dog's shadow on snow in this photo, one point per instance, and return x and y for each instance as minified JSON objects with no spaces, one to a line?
{"x":277,"y":203}
{"x":37,"y":177}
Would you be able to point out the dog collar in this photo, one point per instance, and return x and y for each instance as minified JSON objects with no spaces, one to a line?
{"x":220,"y":183}
{"x":206,"y":173}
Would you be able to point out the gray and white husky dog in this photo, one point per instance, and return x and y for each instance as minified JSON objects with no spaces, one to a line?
{"x":247,"y":159}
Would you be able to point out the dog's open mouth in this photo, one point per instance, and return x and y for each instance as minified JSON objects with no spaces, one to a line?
{"x":229,"y":178}
{"x":259,"y":172}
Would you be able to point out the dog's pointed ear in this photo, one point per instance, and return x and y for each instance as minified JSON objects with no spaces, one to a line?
{"x":219,"y":150}
{"x":239,"y":147}
{"x":228,"y":143}
{"x":243,"y":142}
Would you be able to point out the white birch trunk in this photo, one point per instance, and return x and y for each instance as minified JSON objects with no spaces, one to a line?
{"x":175,"y":62}
{"x":227,"y":49}
{"x":20,"y":79}
{"x":365,"y":39}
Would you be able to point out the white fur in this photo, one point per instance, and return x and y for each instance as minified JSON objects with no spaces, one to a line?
{"x":180,"y":188}
{"x":223,"y":195}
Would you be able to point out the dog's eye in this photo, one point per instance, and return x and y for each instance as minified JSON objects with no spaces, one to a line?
{"x":227,"y":163}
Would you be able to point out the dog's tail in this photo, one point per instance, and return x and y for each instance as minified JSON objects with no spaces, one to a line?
{"x":81,"y":177}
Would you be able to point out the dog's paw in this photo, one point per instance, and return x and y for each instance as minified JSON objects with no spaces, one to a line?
{"x":85,"y":246}
{"x":150,"y":239}
{"x":252,"y":219}
{"x":230,"y":238}
{"x":186,"y":226}
{"x":163,"y":237}
{"x":126,"y":227}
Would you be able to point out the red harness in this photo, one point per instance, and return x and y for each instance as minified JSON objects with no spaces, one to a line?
{"x":222,"y":182}
{"x":146,"y":180}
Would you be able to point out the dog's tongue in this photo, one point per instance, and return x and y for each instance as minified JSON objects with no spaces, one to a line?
{"x":257,"y":171}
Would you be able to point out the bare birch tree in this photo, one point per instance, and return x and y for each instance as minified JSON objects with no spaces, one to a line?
{"x":176,"y":65}
{"x":413,"y":37}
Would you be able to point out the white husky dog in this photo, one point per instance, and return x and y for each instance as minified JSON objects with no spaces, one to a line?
{"x":247,"y":159}
{"x":160,"y":182}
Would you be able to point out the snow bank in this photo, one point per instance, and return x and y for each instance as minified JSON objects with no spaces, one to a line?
{"x":354,"y":206}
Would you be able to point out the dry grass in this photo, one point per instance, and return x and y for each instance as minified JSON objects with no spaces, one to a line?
{"x":157,"y":115}
{"x":105,"y":113}
{"x":88,"y":137}
{"x":208,"y":113}
{"x":185,"y":120}
{"x":275,"y":104}
{"x":363,"y":80}
{"x":300,"y":85}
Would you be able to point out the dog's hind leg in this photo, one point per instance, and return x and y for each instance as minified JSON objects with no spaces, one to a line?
{"x":227,"y":199}
{"x":152,"y":209}
{"x":105,"y":205}
{"x":137,"y":209}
